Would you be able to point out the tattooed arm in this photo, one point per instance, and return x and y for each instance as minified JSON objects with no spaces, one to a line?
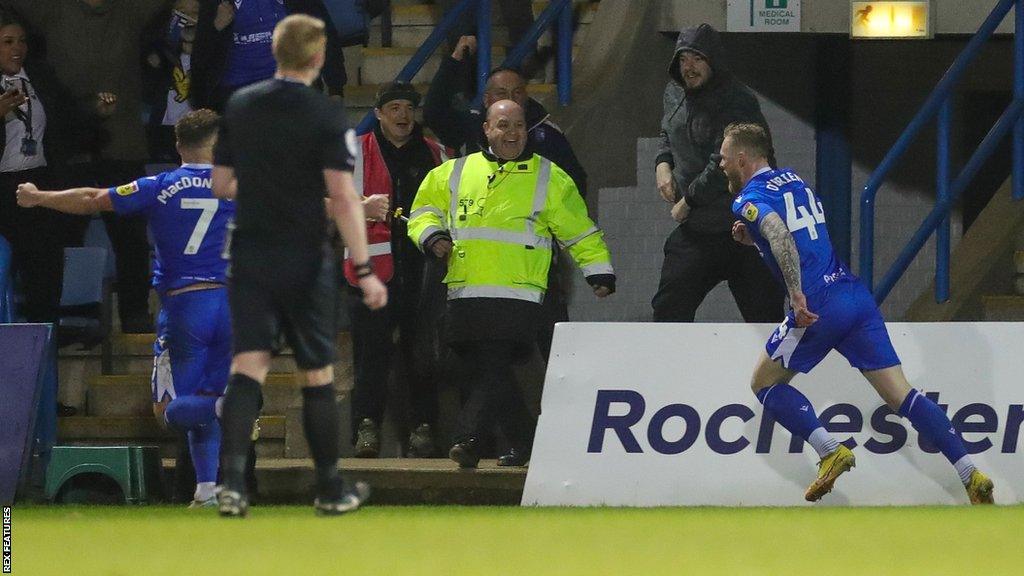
{"x":774,"y":230}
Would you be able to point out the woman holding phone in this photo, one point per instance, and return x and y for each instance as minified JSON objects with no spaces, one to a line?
{"x":32,"y":144}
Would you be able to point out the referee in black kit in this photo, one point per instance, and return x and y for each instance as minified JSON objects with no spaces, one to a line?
{"x":282,"y":145}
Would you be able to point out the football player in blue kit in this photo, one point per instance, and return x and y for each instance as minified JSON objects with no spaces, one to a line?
{"x":189,"y":227}
{"x":830,"y":310}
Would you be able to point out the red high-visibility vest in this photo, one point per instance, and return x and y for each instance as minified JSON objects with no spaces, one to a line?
{"x":371,"y":177}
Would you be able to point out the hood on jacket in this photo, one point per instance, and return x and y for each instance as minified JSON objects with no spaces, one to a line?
{"x":705,"y":41}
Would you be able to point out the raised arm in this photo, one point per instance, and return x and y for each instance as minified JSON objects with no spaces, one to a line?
{"x":73,"y":201}
{"x":775,"y":232}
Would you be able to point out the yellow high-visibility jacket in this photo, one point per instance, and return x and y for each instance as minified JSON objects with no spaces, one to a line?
{"x":502,"y":219}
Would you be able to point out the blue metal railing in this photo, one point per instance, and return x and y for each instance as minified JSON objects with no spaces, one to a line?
{"x":560,"y":9}
{"x":939,"y":105}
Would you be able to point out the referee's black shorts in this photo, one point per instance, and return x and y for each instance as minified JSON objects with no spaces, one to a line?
{"x":296,"y":301}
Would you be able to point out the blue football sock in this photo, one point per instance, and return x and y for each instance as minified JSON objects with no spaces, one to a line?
{"x":931,"y":422}
{"x":204,"y":445}
{"x":795,"y":413}
{"x":189,"y":412}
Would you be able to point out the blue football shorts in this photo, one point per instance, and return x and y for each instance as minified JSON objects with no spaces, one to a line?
{"x":848,"y":322}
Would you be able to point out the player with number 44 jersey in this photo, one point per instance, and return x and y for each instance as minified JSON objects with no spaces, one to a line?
{"x":830,"y":310}
{"x":189,"y":229}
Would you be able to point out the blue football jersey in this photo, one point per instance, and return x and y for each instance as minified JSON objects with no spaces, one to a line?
{"x":784,"y":193}
{"x":187,"y":223}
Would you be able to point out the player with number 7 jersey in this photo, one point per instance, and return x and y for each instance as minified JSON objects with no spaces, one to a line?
{"x":189,"y":229}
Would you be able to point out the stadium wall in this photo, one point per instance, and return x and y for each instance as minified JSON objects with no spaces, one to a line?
{"x":662,"y":415}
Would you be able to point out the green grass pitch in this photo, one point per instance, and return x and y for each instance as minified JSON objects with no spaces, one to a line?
{"x":286,"y":540}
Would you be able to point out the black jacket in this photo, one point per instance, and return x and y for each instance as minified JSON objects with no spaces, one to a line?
{"x":692,"y":128}
{"x":458,"y":126}
{"x":210,"y":52}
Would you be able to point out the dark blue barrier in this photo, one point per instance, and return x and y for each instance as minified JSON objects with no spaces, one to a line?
{"x":6,"y":308}
{"x":28,"y":386}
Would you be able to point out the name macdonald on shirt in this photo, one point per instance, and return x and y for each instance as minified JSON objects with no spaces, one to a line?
{"x":183,"y":183}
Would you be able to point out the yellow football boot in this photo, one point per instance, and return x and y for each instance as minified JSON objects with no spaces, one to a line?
{"x":979,"y":489}
{"x":830,"y":467}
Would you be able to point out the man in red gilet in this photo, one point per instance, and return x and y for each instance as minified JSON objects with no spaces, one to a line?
{"x":391,"y":163}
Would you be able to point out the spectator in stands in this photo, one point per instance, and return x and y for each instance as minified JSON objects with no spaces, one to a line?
{"x":701,"y":99}
{"x":232,"y":47}
{"x":498,"y":249}
{"x":170,"y":67}
{"x":37,"y":116}
{"x":392,"y":161}
{"x":460,"y":128}
{"x":95,"y":48}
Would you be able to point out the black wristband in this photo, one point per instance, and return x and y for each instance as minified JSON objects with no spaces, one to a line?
{"x":363,"y":270}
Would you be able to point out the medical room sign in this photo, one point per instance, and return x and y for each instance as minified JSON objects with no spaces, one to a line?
{"x":763,"y":16}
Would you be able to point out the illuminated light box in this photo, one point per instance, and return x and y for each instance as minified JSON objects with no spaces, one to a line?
{"x":888,"y":20}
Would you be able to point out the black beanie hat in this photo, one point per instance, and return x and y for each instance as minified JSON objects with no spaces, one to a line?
{"x":397,"y":91}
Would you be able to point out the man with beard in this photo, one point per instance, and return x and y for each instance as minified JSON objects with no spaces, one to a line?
{"x":700,"y":101}
{"x":830,"y":310}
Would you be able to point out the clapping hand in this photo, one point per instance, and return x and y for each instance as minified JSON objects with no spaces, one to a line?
{"x":376,"y":207}
{"x":466,"y":46}
{"x":106,"y":104}
{"x":10,"y":100}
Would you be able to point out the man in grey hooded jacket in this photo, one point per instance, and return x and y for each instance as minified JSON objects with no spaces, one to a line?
{"x":701,"y":99}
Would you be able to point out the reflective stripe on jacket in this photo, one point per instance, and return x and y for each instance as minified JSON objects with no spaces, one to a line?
{"x":502,"y":219}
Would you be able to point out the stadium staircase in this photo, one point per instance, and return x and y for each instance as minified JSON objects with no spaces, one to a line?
{"x":114,"y":404}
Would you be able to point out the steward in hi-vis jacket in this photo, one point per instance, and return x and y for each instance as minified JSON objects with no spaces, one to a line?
{"x":494,"y":216}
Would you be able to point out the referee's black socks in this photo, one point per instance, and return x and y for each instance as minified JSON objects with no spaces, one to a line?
{"x":321,"y":423}
{"x":242,"y":403}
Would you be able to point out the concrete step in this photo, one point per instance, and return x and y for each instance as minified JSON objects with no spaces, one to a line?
{"x":140,"y":428}
{"x":411,"y":25}
{"x":144,"y":430}
{"x":1003,"y":308}
{"x":383,"y":64}
{"x":265,"y":448}
{"x":130,"y":395}
{"x":394,"y":481}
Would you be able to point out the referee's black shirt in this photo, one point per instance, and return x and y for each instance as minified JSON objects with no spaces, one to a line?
{"x":279,"y":136}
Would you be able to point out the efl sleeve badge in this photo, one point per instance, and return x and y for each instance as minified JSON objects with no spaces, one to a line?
{"x":127,"y":189}
{"x":750,"y":211}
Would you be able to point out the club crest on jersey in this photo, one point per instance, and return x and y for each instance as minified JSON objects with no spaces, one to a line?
{"x":127,"y":189}
{"x":750,"y":211}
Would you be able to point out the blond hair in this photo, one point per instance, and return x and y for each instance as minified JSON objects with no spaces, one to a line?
{"x":751,"y":137}
{"x":297,"y":40}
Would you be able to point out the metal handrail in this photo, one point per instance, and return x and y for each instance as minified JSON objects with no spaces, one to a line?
{"x":562,"y":9}
{"x":939,"y":98}
{"x":424,"y":52}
